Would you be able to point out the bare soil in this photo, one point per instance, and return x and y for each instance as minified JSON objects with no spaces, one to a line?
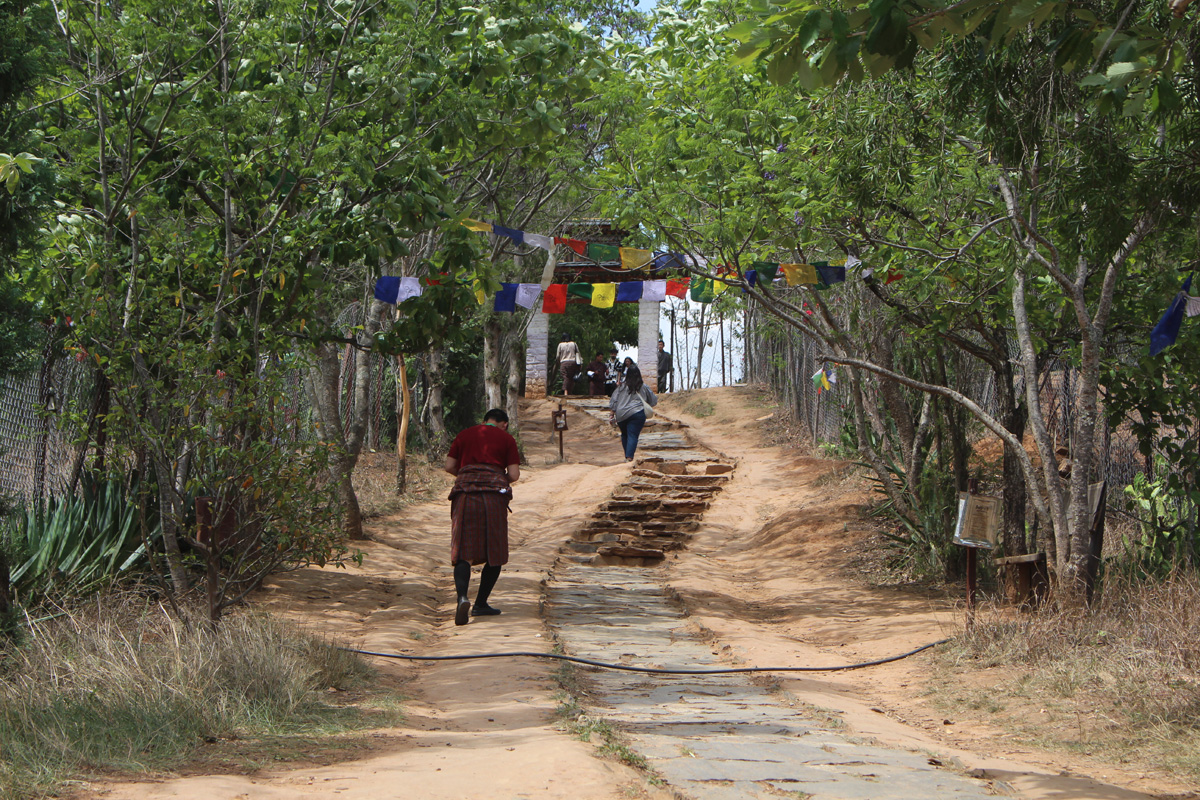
{"x":781,"y":574}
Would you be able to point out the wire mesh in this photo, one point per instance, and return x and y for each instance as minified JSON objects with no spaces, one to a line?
{"x":783,"y":358}
{"x":37,"y":448}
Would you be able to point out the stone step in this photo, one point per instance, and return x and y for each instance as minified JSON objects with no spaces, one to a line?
{"x":643,"y":506}
{"x":631,"y":551}
{"x":581,"y":547}
{"x":652,"y":501}
{"x":607,"y":536}
{"x":640,"y":490}
{"x":596,"y":524}
{"x":713,"y":482}
{"x":684,"y":506}
{"x":656,"y":527}
{"x":680,"y":480}
{"x":659,"y":517}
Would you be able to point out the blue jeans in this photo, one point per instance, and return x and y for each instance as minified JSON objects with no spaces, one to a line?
{"x":631,"y":429}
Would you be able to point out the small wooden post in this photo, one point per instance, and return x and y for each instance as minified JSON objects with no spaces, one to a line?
{"x":972,"y":560}
{"x":972,"y":565}
{"x":560,"y":425}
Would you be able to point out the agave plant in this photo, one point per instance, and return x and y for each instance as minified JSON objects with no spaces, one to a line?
{"x":76,"y":541}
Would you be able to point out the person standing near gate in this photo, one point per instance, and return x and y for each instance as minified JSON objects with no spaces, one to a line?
{"x":596,"y":372}
{"x":485,"y":463}
{"x":665,"y":365}
{"x":613,"y":376}
{"x":569,"y":362}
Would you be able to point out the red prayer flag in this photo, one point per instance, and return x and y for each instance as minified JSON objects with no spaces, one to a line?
{"x":677,"y":288}
{"x":554,"y":301}
{"x":893,"y":277}
{"x":574,"y":244}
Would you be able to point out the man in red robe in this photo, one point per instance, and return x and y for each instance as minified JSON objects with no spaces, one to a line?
{"x":485,"y":462}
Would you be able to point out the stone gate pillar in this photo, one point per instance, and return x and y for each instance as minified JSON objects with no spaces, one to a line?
{"x":537,"y":340}
{"x":647,"y":359}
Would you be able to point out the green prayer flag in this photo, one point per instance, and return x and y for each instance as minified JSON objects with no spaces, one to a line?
{"x":583,"y":290}
{"x":767,"y":270}
{"x":702,"y":290}
{"x":603,"y":252}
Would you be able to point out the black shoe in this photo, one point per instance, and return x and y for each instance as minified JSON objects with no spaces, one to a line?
{"x":460,"y":613}
{"x":484,"y":611}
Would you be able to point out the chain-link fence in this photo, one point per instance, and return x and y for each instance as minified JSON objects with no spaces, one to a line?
{"x":38,"y":450}
{"x":784,"y":359}
{"x":48,"y":414}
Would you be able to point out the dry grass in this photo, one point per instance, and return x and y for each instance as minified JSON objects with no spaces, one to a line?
{"x":1120,"y":681}
{"x":122,"y":686}
{"x":375,"y":483}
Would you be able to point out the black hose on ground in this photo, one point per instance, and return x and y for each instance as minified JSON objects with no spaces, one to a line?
{"x":650,"y":670}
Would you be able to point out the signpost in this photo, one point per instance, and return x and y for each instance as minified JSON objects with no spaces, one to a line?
{"x":560,"y":425}
{"x":976,"y":529}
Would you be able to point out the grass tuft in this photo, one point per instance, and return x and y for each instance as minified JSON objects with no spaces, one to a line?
{"x":129,"y":688}
{"x":1120,"y":680}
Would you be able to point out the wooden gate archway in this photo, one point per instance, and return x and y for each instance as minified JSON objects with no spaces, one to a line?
{"x":570,"y":269}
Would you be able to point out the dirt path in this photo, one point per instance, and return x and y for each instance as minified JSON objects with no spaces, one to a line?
{"x":766,"y":580}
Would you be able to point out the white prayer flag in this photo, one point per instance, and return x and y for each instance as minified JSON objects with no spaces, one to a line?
{"x":540,"y":240}
{"x":654,"y":291}
{"x":852,"y":262}
{"x":548,"y":272}
{"x":1193,"y":306}
{"x":409,"y":287}
{"x":527,"y":294}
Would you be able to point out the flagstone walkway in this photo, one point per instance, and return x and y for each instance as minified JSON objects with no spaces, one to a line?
{"x":726,"y":737}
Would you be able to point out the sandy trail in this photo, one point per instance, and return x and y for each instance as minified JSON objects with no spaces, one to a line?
{"x":769,"y":579}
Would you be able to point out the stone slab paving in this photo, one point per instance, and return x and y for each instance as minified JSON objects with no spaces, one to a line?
{"x":718,"y":737}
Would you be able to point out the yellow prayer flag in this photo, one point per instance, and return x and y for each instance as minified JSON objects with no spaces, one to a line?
{"x":798,"y":274}
{"x":604,"y":295}
{"x":480,"y":294}
{"x":633,"y":258}
{"x":476,"y":225}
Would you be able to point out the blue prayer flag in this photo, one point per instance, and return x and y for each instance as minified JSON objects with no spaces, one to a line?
{"x":830,"y":275}
{"x":506,"y":298}
{"x":515,"y":235}
{"x":629,"y":291}
{"x":386,"y":289}
{"x":1167,"y":330}
{"x":667,"y":261}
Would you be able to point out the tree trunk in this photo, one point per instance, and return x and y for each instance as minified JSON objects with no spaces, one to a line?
{"x":437,"y":413}
{"x":325,"y":385}
{"x":516,"y":358}
{"x":721,"y":324}
{"x":491,"y":364}
{"x":171,"y":513}
{"x":403,"y":415}
{"x":1012,"y":416}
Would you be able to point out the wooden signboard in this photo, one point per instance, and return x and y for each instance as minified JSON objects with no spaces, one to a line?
{"x":978,"y":521}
